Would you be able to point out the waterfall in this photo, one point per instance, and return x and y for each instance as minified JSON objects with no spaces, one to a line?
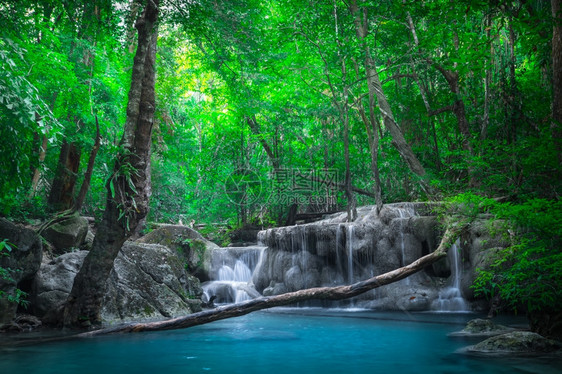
{"x":349,"y":242}
{"x":404,"y":212}
{"x":450,"y":299}
{"x":231,"y":282}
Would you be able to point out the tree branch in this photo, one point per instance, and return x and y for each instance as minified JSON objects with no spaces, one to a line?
{"x":448,"y":108}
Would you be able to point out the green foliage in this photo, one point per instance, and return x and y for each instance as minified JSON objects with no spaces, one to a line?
{"x":527,"y":274}
{"x":6,"y":274}
{"x":192,"y":246}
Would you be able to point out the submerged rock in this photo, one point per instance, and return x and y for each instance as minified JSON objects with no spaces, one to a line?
{"x":516,"y":343}
{"x":21,"y":323}
{"x":481,"y":328}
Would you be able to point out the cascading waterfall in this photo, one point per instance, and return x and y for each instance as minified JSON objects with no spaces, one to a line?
{"x":232,"y":280}
{"x":349,"y":242}
{"x":338,"y":257}
{"x":450,"y":299}
{"x":335,"y":252}
{"x":406,"y":212}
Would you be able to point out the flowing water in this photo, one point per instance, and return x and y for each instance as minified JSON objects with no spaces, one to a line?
{"x":350,"y":253}
{"x":231,"y":281}
{"x":284,"y":341}
{"x":451,"y":299}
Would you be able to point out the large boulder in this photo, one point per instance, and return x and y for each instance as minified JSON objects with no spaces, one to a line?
{"x":147,"y":282}
{"x":21,"y":264}
{"x":188,"y":243}
{"x":67,"y":235}
{"x":481,"y":244}
{"x":52,"y":284}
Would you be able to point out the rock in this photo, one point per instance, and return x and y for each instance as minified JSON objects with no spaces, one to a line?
{"x":22,"y":262}
{"x":148,"y":281}
{"x":67,"y":234}
{"x":481,"y":328}
{"x":21,"y":323}
{"x":53,"y":282}
{"x":185,"y":241}
{"x":331,"y":252}
{"x":515,"y":343}
{"x":480,"y":244}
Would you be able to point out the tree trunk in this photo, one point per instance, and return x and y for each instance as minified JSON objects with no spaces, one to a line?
{"x":128,"y":188}
{"x":375,"y":89}
{"x":424,"y":94}
{"x":319,"y":293}
{"x":351,"y":203}
{"x":62,"y":189}
{"x":254,"y":126}
{"x":88,"y":176}
{"x":557,"y":78}
{"x":371,"y":124}
{"x":37,"y":170}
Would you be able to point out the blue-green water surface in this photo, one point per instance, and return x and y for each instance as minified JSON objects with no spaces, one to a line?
{"x":276,"y":342}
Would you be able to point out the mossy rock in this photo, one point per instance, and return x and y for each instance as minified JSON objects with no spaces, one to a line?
{"x":190,"y":244}
{"x":480,"y":327}
{"x":516,"y":342}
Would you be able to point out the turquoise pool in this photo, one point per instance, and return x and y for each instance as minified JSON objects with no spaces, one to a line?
{"x":282,"y":341}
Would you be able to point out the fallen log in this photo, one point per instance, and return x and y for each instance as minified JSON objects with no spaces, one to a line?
{"x":318,"y":293}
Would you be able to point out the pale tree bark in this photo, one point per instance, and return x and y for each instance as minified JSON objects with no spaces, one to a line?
{"x":371,"y":124}
{"x":424,"y":93}
{"x":376,"y":91}
{"x":319,"y":293}
{"x":128,"y":188}
{"x":36,"y":176}
{"x":458,"y":108}
{"x":344,"y":113}
{"x":557,"y":78}
{"x":373,"y":140}
{"x":487,"y":84}
{"x":255,"y":128}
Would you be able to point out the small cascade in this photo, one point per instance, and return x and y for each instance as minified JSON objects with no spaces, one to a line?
{"x":450,"y":299}
{"x":338,"y":245}
{"x":349,"y":243}
{"x":405,"y":212}
{"x":231,"y":282}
